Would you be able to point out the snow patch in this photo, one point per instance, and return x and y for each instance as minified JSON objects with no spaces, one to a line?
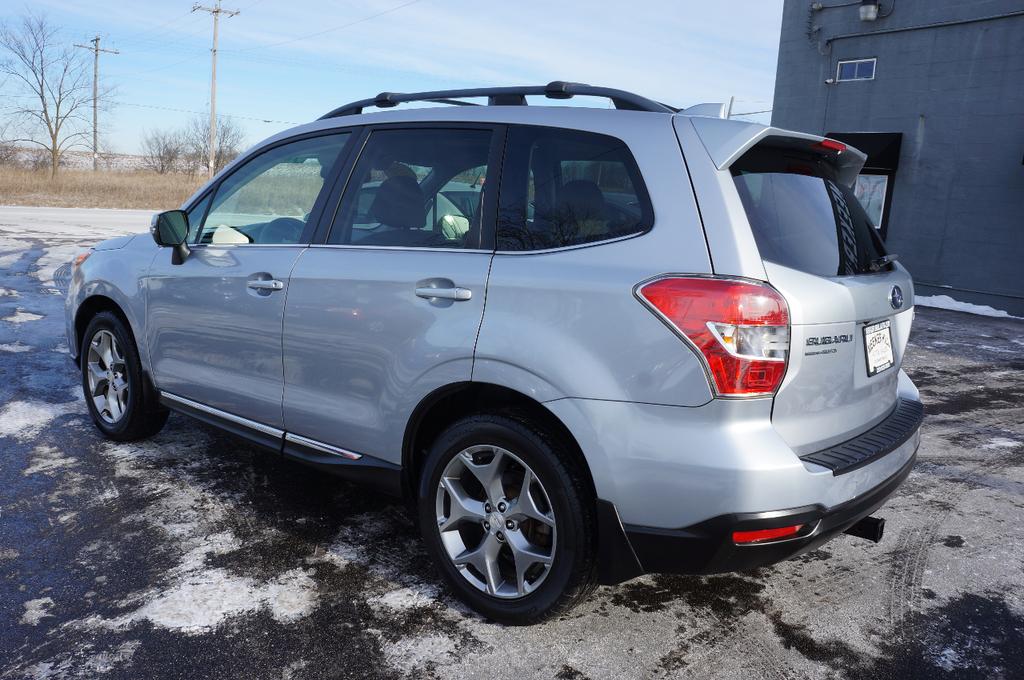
{"x":26,"y":419}
{"x":15,"y":347}
{"x":1000,"y":443}
{"x":205,"y":599}
{"x":21,"y":316}
{"x":36,"y":611}
{"x":47,"y":459}
{"x":192,"y":597}
{"x":946,"y":302}
{"x":409,"y":653}
{"x":403,"y":599}
{"x":71,"y":665}
{"x":53,"y":258}
{"x":8,"y":292}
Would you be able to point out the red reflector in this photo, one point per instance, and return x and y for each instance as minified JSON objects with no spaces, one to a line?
{"x":715,"y":315}
{"x":762,"y":535}
{"x":830,"y":145}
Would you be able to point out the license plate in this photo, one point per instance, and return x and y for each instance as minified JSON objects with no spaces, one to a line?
{"x":878,"y":347}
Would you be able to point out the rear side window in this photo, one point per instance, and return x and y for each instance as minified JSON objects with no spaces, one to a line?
{"x":801,"y":216}
{"x":416,"y":188}
{"x":565,"y":187}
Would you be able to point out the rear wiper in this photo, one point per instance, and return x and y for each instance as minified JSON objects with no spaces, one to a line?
{"x":876,"y":264}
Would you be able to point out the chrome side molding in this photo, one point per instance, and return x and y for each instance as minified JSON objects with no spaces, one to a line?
{"x":224,"y":415}
{"x":260,"y":427}
{"x":322,"y":447}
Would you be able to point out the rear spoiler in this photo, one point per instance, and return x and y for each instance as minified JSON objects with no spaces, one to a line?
{"x":727,"y":140}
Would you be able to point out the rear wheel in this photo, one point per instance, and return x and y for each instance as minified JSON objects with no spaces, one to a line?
{"x":113,"y":383}
{"x":508,"y":518}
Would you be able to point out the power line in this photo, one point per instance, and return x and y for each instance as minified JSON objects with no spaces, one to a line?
{"x":215,"y":12}
{"x":222,"y":115}
{"x":96,"y":49}
{"x":144,"y":35}
{"x":327,"y":30}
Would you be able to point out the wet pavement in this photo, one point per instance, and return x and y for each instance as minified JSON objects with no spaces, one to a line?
{"x":195,"y":555}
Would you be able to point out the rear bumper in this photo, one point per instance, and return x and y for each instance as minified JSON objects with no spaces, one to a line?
{"x":707,"y":548}
{"x":706,"y":545}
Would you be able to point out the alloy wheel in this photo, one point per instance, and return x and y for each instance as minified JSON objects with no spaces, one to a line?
{"x":107,"y":377}
{"x":496,"y":521}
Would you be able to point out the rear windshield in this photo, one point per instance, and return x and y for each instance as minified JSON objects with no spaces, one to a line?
{"x":801,"y":216}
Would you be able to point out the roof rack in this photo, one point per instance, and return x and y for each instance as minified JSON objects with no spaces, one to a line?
{"x":506,"y":96}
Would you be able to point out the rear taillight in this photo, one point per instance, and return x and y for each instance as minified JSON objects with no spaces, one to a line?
{"x":740,"y":328}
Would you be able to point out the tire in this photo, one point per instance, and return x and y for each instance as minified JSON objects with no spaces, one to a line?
{"x":560,"y":493}
{"x":133,"y":412}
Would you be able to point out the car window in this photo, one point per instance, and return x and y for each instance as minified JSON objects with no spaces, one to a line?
{"x":802,"y":217}
{"x":268,"y":200}
{"x":567,"y":187}
{"x":416,"y":188}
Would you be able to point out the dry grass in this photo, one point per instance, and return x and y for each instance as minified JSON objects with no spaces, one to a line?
{"x":103,"y":189}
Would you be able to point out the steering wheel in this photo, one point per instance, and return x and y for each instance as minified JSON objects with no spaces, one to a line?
{"x":282,"y":230}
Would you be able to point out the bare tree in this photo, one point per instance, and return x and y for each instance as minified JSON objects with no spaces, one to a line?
{"x":230,"y":139}
{"x":53,"y":80}
{"x":163,"y":150}
{"x":8,"y":151}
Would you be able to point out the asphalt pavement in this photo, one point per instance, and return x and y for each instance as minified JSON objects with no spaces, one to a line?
{"x":194,"y":555}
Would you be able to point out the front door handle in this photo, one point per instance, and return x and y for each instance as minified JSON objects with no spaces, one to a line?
{"x":261,"y":284}
{"x":457,"y":294}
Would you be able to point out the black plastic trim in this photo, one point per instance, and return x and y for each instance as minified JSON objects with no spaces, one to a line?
{"x":887,"y":436}
{"x":373,"y":472}
{"x":616,"y":561}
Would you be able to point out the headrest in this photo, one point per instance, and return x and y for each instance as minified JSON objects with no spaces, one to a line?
{"x":399,"y":203}
{"x":580,"y":200}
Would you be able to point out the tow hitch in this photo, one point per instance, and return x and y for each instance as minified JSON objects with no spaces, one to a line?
{"x":870,"y":528}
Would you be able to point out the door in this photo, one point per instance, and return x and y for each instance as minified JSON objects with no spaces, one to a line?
{"x":214,"y":321}
{"x":388,"y":308}
{"x":850,"y":305}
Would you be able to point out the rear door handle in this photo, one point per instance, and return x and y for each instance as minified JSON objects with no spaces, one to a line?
{"x":457,"y":294}
{"x":261,"y":284}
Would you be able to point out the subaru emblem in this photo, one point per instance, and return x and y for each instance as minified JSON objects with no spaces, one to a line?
{"x":896,"y":297}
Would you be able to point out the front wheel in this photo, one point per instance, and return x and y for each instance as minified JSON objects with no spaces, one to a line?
{"x":507,"y":515}
{"x":112,"y":380}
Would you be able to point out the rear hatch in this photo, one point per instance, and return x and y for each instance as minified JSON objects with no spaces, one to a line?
{"x":850,"y":306}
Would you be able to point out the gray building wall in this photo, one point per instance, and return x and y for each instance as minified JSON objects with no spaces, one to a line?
{"x":956,"y":93}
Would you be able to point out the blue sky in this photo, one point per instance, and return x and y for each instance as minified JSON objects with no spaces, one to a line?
{"x":289,"y":61}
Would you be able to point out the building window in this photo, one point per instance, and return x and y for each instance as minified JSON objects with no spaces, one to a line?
{"x":870,"y":191}
{"x":856,"y":69}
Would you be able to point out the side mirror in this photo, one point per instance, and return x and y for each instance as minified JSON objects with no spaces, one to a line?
{"x":170,"y":229}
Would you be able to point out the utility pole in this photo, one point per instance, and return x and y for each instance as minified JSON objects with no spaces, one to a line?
{"x":216,"y":11}
{"x":96,"y":49}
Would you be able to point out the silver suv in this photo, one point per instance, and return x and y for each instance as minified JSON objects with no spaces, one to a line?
{"x":584,"y":343}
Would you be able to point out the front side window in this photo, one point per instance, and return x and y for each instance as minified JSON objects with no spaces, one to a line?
{"x":566,"y":187}
{"x":418,"y":188}
{"x":269,"y":199}
{"x":856,"y":69}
